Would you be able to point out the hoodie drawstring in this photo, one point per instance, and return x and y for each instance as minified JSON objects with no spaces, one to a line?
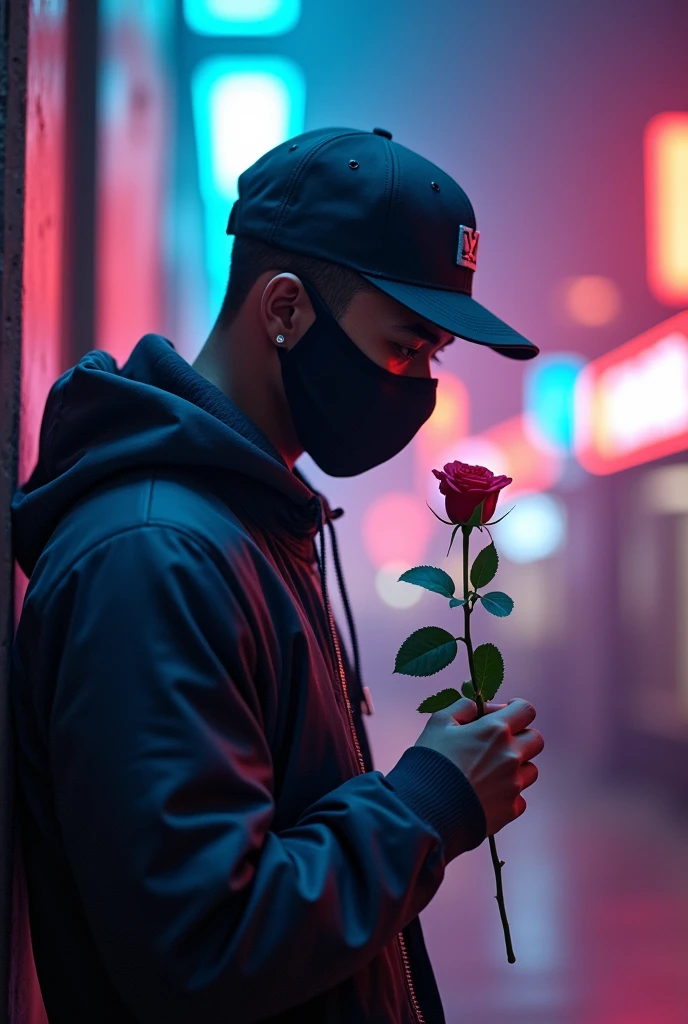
{"x":321,"y":563}
{"x":328,"y":516}
{"x":334,"y":639}
{"x":335,"y":514}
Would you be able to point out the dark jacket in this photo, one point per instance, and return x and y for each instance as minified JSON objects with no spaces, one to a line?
{"x":204,"y":836}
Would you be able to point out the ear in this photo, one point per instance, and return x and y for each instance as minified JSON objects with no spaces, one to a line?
{"x":285,"y":308}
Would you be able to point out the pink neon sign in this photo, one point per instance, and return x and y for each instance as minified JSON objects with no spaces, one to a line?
{"x":666,"y":206}
{"x":632,"y":403}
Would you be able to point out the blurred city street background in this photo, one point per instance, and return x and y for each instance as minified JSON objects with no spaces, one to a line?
{"x":567,"y":125}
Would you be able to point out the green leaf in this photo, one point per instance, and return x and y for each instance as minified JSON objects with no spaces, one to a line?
{"x":439,"y":701}
{"x":485,"y":566}
{"x":425,"y":652}
{"x":477,"y":515}
{"x":489,"y":669}
{"x":428,"y":576}
{"x":455,"y":601}
{"x":467,"y":690}
{"x":497,"y":603}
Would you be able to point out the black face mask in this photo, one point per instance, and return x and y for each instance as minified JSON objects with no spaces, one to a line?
{"x":350,"y":414}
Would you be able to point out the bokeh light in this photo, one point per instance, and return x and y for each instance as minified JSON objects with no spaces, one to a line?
{"x":534,"y":529}
{"x":450,"y":416}
{"x":506,"y":448}
{"x":241,"y":17}
{"x":666,"y":206}
{"x":391,"y":591}
{"x":396,"y":528}
{"x":549,"y":400}
{"x":242,"y":107}
{"x":665,"y":489}
{"x":592,"y":300}
{"x":447,"y":426}
{"x":631,"y":404}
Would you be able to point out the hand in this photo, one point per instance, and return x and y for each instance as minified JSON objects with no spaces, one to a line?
{"x":494,"y":752}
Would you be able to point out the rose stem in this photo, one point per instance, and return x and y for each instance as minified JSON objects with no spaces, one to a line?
{"x":496,"y":862}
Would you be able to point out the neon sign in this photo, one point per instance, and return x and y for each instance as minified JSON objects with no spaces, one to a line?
{"x":666,"y":206}
{"x":243,"y":107}
{"x":242,"y":17}
{"x":631,"y":405}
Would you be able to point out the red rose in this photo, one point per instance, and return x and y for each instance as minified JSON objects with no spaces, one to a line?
{"x":464,"y":487}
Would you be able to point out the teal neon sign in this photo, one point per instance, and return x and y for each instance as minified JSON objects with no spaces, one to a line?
{"x":242,"y":107}
{"x":241,"y":17}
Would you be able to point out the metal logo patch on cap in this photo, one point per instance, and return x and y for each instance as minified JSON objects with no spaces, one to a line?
{"x":467,"y":256}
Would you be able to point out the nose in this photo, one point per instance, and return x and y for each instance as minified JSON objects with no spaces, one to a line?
{"x":419,"y":368}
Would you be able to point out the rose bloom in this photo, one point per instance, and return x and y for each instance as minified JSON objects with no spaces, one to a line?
{"x":464,"y":487}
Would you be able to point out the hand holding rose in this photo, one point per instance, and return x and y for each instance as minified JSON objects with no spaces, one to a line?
{"x":495,"y":759}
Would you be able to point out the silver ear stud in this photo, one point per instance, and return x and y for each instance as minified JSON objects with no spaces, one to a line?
{"x":280,"y":339}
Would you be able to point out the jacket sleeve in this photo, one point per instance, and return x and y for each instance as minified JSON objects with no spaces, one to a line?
{"x":163,"y":791}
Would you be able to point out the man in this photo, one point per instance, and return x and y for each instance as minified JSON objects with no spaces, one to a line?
{"x":205,"y":837}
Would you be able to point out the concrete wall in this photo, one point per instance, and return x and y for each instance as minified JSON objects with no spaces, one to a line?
{"x":13,"y":77}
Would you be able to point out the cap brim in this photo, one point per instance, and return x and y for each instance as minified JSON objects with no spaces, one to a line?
{"x":459,"y":314}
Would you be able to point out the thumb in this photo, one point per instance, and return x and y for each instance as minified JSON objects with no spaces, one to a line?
{"x":463,"y":710}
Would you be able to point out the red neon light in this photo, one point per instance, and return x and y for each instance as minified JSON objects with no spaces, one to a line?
{"x":132,"y":144}
{"x":632,"y":403}
{"x":434,"y":443}
{"x":507,"y":448}
{"x":396,"y":528}
{"x":530,"y":467}
{"x":42,"y":356}
{"x":666,"y":207}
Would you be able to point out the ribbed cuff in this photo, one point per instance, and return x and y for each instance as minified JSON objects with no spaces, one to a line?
{"x":438,"y":792}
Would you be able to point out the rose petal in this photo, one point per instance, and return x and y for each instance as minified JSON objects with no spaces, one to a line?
{"x":489,"y":507}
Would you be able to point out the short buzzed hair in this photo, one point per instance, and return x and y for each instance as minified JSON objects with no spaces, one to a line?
{"x":250,"y":258}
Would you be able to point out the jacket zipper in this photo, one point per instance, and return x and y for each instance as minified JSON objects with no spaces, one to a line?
{"x":414,"y":1002}
{"x":342,"y":679}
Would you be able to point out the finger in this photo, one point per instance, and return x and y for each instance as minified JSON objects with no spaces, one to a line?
{"x":519,"y":806}
{"x":527,"y":775}
{"x":488,"y":707}
{"x":463,"y":710}
{"x":529,"y":744}
{"x":518,"y":713}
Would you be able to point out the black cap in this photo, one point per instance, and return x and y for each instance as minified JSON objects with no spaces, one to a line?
{"x":362,"y":200}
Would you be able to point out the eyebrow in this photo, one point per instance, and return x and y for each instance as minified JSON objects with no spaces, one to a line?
{"x":421,"y":331}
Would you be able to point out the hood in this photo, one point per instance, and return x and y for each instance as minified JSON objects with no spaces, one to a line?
{"x":100,"y":420}
{"x":157,"y":410}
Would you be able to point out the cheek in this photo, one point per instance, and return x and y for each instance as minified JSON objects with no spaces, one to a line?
{"x":378,"y":351}
{"x":386,"y":356}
